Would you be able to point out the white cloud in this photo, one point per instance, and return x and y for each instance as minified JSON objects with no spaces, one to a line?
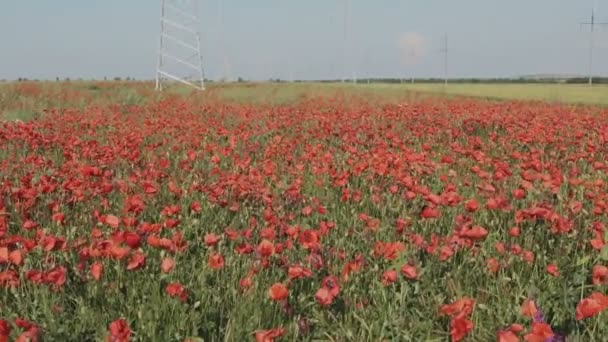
{"x":413,"y":47}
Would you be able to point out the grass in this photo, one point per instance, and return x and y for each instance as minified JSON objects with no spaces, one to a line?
{"x":20,"y":100}
{"x":20,"y":115}
{"x":27,"y":100}
{"x":566,"y":93}
{"x":271,"y":93}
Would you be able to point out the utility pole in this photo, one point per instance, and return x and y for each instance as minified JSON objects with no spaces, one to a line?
{"x":445,"y":60}
{"x":592,"y":24}
{"x":225,"y":63}
{"x":413,"y":55}
{"x":347,"y":45}
{"x":290,"y":70}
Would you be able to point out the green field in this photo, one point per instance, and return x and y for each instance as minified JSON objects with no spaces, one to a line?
{"x":27,"y":100}
{"x":545,"y":92}
{"x":300,"y":212}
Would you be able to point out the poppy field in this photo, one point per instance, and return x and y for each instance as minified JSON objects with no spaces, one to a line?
{"x":333,"y":216}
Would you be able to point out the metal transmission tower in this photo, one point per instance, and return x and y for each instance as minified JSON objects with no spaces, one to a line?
{"x":179,"y":54}
{"x":592,"y":24}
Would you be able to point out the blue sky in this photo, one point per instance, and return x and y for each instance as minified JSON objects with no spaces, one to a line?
{"x":263,"y":38}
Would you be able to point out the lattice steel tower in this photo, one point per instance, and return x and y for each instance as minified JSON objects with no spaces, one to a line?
{"x":179,"y":54}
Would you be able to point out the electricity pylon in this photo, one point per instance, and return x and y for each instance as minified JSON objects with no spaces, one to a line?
{"x":180,"y":44}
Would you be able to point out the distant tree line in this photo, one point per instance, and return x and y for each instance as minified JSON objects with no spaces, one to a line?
{"x":580,"y":80}
{"x":573,"y":80}
{"x":577,"y":80}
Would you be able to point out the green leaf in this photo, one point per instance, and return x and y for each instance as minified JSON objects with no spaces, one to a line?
{"x":604,"y":253}
{"x":583,"y":260}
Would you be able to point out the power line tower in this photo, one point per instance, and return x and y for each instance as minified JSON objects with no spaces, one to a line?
{"x":179,"y":54}
{"x":592,"y":25}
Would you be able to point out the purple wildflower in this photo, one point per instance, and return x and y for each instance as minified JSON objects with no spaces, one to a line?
{"x":539,"y":317}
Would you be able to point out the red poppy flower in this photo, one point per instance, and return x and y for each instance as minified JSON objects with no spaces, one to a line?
{"x":519,"y":193}
{"x":500,"y":247}
{"x":528,"y":257}
{"x":600,"y":275}
{"x":23,"y":324}
{"x":297,"y":272}
{"x":132,"y":240}
{"x":244,"y":248}
{"x":445,"y":253}
{"x":118,"y":252}
{"x":96,"y":270}
{"x":177,"y":290}
{"x":506,"y":336}
{"x":528,"y":308}
{"x":493,"y":265}
{"x":119,"y":331}
{"x":516,"y":328}
{"x":514,"y":231}
{"x":306,"y":211}
{"x":540,"y":332}
{"x":30,"y":335}
{"x":5,"y":330}
{"x":278,"y":292}
{"x":430,"y":212}
{"x":216,"y":261}
{"x":409,"y":271}
{"x":516,"y":249}
{"x":388,"y":250}
{"x":149,"y":188}
{"x":331,"y":283}
{"x":196,"y":207}
{"x":269,"y":335}
{"x":137,"y":261}
{"x":472,"y":206}
{"x":266,"y":249}
{"x":460,"y":326}
{"x":324,"y":296}
{"x":246,"y":283}
{"x":167,"y":264}
{"x":388,"y":277}
{"x":56,"y":276}
{"x":4,"y":255}
{"x":30,"y":225}
{"x":51,"y":243}
{"x":58,"y":218}
{"x":475,"y":233}
{"x":591,"y":306}
{"x":309,"y":239}
{"x":112,"y":221}
{"x":462,"y":306}
{"x":553,"y":270}
{"x":211,"y":239}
